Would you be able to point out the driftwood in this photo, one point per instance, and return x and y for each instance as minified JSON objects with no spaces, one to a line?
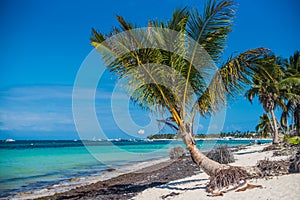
{"x":247,"y":187}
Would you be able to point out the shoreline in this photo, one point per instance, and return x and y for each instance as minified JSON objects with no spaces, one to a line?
{"x":128,"y":185}
{"x":132,"y":171}
{"x":73,"y":183}
{"x":68,"y":183}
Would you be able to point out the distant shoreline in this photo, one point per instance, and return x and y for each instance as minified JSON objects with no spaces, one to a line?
{"x":10,"y":140}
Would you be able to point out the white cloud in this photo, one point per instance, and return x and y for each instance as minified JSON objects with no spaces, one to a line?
{"x":49,"y":108}
{"x":34,"y":93}
{"x":26,"y":121}
{"x":36,"y":108}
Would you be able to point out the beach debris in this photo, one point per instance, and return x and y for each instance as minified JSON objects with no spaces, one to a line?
{"x":287,"y":150}
{"x":272,"y":147}
{"x":294,"y":165}
{"x":221,"y":154}
{"x":231,"y":176}
{"x":216,"y":194}
{"x":170,"y":195}
{"x":270,"y":168}
{"x":74,"y":179}
{"x":248,"y":186}
{"x":110,"y":169}
{"x":238,"y":148}
{"x":177,"y":152}
{"x":280,"y":153}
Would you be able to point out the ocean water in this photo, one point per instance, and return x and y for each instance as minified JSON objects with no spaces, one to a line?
{"x":30,"y":165}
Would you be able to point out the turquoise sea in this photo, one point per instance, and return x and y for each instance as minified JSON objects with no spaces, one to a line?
{"x":30,"y":165}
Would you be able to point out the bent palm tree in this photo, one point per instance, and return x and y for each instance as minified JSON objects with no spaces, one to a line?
{"x":165,"y":65}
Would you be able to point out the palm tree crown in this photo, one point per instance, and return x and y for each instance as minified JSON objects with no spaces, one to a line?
{"x":171,"y":67}
{"x":183,"y":87}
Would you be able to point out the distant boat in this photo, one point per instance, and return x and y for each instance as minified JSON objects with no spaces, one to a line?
{"x":10,"y":140}
{"x":227,"y":138}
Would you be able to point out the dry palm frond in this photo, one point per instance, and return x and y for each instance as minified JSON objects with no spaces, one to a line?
{"x":272,"y":168}
{"x":222,"y":154}
{"x":294,"y":166}
{"x":271,"y":148}
{"x":177,"y":152}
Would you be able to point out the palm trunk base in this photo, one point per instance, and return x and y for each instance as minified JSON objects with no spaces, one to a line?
{"x":231,"y":176}
{"x":222,"y":176}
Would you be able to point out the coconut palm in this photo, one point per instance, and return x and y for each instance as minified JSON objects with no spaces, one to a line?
{"x":266,"y":86}
{"x":165,"y":64}
{"x":291,"y":83}
{"x":264,"y":126}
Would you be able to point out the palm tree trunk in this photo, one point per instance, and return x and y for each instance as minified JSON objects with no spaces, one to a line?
{"x":276,"y":136}
{"x":209,"y":166}
{"x":221,"y":175}
{"x":297,"y":120}
{"x":271,"y":125}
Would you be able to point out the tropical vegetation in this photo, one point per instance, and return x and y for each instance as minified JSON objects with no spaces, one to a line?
{"x":233,"y":134}
{"x":264,"y":127}
{"x":266,"y":87}
{"x":291,"y":83}
{"x":278,"y":86}
{"x":162,"y":136}
{"x":167,"y":71}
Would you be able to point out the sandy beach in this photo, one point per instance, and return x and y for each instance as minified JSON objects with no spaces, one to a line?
{"x":281,"y":187}
{"x":166,"y":179}
{"x":150,"y":100}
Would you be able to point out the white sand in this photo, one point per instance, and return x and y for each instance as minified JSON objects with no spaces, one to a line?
{"x":282,"y":187}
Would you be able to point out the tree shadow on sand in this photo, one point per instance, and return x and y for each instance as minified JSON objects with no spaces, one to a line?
{"x":176,"y":185}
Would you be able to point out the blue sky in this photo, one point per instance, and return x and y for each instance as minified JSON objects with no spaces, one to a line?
{"x":43,"y":44}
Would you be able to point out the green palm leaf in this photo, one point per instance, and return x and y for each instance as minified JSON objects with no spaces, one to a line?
{"x":177,"y":73}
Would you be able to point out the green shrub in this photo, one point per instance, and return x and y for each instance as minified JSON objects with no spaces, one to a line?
{"x":294,"y":140}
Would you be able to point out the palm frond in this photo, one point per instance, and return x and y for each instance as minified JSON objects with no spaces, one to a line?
{"x":163,"y":65}
{"x":237,"y":72}
{"x":211,"y":28}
